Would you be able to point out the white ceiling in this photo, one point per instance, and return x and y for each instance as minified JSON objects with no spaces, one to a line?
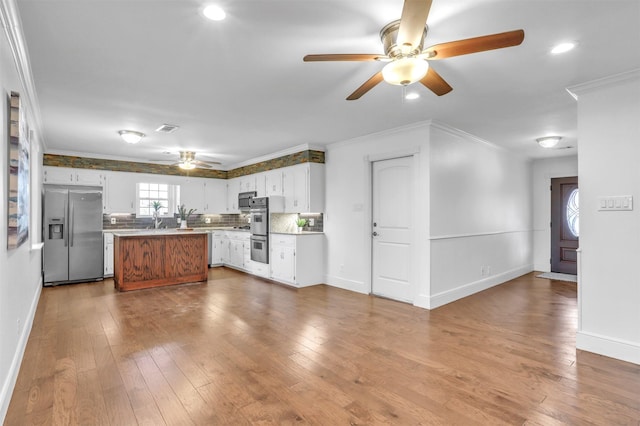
{"x":239,"y":89}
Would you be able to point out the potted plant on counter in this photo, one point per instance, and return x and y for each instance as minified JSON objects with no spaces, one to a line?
{"x":184,"y":215}
{"x":301,"y":223}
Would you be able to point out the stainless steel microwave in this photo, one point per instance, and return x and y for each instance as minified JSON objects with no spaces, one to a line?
{"x":244,"y":200}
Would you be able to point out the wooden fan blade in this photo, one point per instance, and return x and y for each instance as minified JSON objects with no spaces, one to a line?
{"x":435,"y":83}
{"x":412,"y":22}
{"x":343,"y":57}
{"x":368,"y":85}
{"x":475,"y":45}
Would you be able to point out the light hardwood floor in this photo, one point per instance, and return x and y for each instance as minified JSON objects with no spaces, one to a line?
{"x":240,"y":350}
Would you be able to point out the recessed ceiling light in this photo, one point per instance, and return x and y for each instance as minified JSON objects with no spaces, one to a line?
{"x":213,"y":12}
{"x":411,"y":96}
{"x":563,"y":47}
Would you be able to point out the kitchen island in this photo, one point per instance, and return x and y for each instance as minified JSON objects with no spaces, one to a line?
{"x":155,"y":258}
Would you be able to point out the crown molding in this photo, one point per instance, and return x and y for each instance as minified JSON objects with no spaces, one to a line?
{"x":612,"y":80}
{"x":12,"y":24}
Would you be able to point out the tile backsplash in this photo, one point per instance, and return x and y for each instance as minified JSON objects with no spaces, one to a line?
{"x":130,"y":221}
{"x":286,"y":222}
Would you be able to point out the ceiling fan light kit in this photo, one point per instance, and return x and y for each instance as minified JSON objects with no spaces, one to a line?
{"x":403,"y":42}
{"x":405,"y":71}
{"x":549,"y":141}
{"x":131,"y":136}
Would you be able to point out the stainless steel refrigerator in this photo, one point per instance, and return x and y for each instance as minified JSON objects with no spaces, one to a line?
{"x":72,"y":222}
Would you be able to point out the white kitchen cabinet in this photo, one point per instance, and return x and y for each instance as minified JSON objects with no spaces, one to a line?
{"x":192,"y":194}
{"x":273,"y":183}
{"x":247,"y":183}
{"x":261,"y":190}
{"x":303,"y":188}
{"x":219,"y":248}
{"x":239,"y":249}
{"x":233,"y":189}
{"x":297,"y":259}
{"x":69,"y":176}
{"x":108,"y":254}
{"x":119,"y":195}
{"x":215,"y":196}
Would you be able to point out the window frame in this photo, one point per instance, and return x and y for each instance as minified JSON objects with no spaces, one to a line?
{"x":173,"y":195}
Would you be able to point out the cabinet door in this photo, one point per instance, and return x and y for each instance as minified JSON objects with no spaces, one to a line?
{"x":108,"y":254}
{"x":236,"y":255}
{"x":120,"y":192}
{"x":273,"y":183}
{"x":295,"y":188}
{"x":283,"y":263}
{"x":233,"y":189}
{"x":225,"y":250}
{"x":217,"y":250}
{"x":215,"y":195}
{"x":88,"y":177}
{"x":261,"y":185}
{"x":192,"y":194}
{"x":58,"y":175}
{"x":248,"y":183}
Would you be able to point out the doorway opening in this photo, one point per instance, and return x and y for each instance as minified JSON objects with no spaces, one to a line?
{"x":565,"y":224}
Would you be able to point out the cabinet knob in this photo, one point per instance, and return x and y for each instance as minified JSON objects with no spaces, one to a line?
{"x":375,"y":234}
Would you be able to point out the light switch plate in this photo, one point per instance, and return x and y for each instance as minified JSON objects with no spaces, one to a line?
{"x":615,"y":203}
{"x":207,"y":220}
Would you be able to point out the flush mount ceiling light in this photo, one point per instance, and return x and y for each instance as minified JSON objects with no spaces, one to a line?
{"x":213,"y":12}
{"x":187,"y":165}
{"x":549,"y":141}
{"x":131,"y":136}
{"x":405,"y":71}
{"x":563,"y":47}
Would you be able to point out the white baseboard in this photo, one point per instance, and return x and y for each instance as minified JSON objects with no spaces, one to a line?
{"x":608,"y":346}
{"x":422,"y":301}
{"x":542,"y":268}
{"x":12,"y":377}
{"x":452,"y":295}
{"x":345,"y":284}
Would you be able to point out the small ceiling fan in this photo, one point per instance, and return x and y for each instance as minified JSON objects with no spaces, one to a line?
{"x":403,"y":42}
{"x":188,"y":161}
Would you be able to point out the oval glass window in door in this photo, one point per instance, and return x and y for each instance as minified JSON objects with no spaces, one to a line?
{"x":573,"y":212}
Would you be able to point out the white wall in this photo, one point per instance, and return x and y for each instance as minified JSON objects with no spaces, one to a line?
{"x":472,"y":212}
{"x":20,"y":282}
{"x":609,"y":158}
{"x":543,"y":171}
{"x":480,"y":215}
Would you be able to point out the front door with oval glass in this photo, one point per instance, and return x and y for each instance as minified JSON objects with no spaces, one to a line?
{"x":565,"y":229}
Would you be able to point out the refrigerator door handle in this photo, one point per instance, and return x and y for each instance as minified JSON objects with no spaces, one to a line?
{"x":65,"y":233}
{"x":71,"y":230}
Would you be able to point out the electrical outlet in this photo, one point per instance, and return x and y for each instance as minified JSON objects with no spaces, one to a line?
{"x":113,"y":220}
{"x":207,"y":220}
{"x":311,"y":221}
{"x":178,"y":220}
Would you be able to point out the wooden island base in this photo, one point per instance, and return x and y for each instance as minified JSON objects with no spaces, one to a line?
{"x":149,"y":260}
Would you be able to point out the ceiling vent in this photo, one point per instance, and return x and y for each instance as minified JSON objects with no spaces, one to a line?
{"x":167,"y":128}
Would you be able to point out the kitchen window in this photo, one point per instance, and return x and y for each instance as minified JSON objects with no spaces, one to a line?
{"x":165,"y":194}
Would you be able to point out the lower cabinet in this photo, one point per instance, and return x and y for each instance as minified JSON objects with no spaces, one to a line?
{"x":297,"y":259}
{"x":294,"y":259}
{"x":108,"y":254}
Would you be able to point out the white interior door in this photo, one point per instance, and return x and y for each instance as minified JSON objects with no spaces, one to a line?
{"x":391,"y":229}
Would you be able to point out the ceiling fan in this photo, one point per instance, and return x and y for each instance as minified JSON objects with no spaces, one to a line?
{"x":403,"y":42}
{"x":187,"y":161}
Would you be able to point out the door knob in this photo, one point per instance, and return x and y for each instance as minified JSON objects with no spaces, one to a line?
{"x":375,"y":234}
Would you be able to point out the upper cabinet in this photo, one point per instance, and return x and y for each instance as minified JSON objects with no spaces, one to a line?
{"x":273,"y":182}
{"x":233,"y":189}
{"x":303,"y":188}
{"x":215,"y":196}
{"x":247,"y":183}
{"x":120,"y":192}
{"x":192,"y":194}
{"x":67,"y":176}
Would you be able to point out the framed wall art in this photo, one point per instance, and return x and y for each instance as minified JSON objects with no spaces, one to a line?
{"x":18,"y":209}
